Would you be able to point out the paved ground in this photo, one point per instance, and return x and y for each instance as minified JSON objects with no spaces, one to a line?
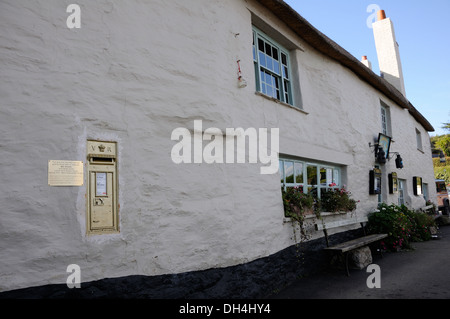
{"x":422,"y":273}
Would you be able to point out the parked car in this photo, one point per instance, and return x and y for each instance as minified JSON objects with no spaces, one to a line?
{"x":443,"y":197}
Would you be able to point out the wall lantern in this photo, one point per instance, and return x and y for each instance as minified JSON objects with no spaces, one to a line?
{"x":399,"y":162}
{"x":380,"y":155}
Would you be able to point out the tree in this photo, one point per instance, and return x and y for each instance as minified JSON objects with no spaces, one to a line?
{"x":441,"y":169}
{"x":446,"y":126}
{"x":441,"y":142}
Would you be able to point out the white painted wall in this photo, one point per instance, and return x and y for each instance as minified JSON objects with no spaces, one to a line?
{"x":388,"y":53}
{"x":133,"y":73}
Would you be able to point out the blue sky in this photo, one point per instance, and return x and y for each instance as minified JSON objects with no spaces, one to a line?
{"x":422,"y":29}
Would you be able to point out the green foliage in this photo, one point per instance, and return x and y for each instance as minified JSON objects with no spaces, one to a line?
{"x":401,"y":224}
{"x":446,"y":126}
{"x":441,"y":142}
{"x":337,"y":200}
{"x":442,"y":170}
{"x":296,"y":203}
{"x":421,"y":224}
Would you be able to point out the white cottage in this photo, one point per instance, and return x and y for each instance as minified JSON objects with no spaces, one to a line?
{"x":101,"y":100}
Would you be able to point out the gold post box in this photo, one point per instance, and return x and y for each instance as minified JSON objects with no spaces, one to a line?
{"x":102,"y":188}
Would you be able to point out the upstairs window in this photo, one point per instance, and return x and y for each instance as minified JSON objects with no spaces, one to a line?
{"x":272,"y":68}
{"x":419,"y":140}
{"x":385,"y":120}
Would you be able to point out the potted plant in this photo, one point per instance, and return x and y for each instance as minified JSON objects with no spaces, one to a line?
{"x":337,"y":200}
{"x":297,"y":204}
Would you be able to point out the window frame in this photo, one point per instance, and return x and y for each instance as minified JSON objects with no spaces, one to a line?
{"x":319,"y":186}
{"x":385,"y":119}
{"x":283,"y":76}
{"x":419,"y":140}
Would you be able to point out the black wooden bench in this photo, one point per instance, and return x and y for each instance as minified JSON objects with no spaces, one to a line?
{"x":343,"y":249}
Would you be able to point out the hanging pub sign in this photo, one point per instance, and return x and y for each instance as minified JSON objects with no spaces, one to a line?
{"x":417,"y":185}
{"x":375,"y":181}
{"x":393,"y":183}
{"x":384,"y":143}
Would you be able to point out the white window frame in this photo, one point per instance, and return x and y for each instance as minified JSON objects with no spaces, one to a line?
{"x":333,"y":176}
{"x":277,"y":70}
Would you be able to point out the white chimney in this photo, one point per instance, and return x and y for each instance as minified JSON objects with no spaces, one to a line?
{"x":366,"y":62}
{"x":388,"y":52}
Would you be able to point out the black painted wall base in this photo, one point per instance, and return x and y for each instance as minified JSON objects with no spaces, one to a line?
{"x":254,"y":280}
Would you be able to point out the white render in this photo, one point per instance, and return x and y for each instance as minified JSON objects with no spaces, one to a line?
{"x":388,"y":53}
{"x":134,"y":72}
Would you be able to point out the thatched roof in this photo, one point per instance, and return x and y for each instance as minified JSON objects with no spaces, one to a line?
{"x":325,"y":45}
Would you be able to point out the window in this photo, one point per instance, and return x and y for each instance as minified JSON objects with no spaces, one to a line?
{"x":272,"y":68}
{"x":310,"y":177}
{"x":401,"y":191}
{"x":425,"y":192}
{"x":419,"y":140}
{"x":385,"y":120}
{"x":380,"y":195}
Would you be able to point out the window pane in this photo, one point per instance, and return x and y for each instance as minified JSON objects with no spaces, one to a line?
{"x":312,"y":175}
{"x":269,"y":90}
{"x":289,"y":171}
{"x":261,"y":45}
{"x":262,"y":59}
{"x":298,"y":168}
{"x":274,"y":82}
{"x":275,"y":53}
{"x":281,"y":171}
{"x":269,"y":63}
{"x":285,"y":72}
{"x":276,"y":67}
{"x":268,"y":49}
{"x":336,"y":179}
{"x":383,"y":121}
{"x":283,"y":59}
{"x":268,"y":79}
{"x":323,"y":176}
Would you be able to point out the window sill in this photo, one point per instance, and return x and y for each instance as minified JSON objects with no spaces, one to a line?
{"x":322,"y":214}
{"x":280,"y":102}
{"x":421,"y":151}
